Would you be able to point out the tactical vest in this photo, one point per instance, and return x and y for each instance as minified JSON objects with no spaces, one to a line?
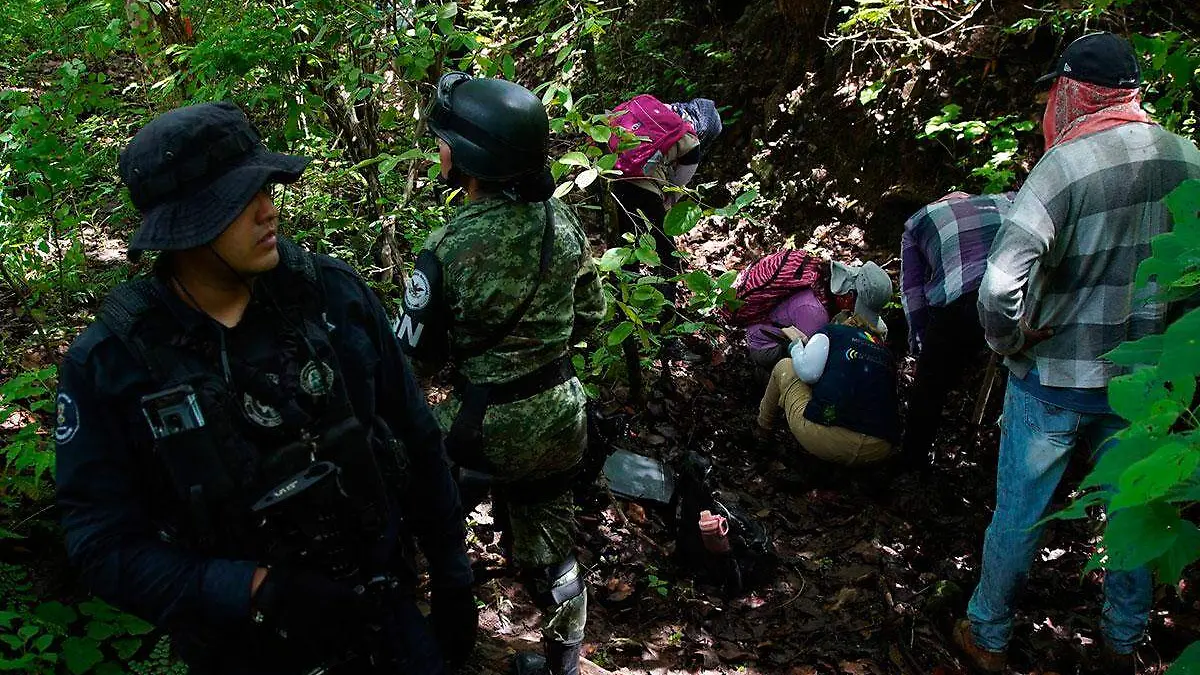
{"x":313,"y":496}
{"x":857,"y":390}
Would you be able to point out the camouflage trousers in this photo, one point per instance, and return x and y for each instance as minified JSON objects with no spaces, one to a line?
{"x":527,"y":440}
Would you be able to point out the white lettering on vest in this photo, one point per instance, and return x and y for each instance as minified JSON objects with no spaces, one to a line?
{"x":405,"y":331}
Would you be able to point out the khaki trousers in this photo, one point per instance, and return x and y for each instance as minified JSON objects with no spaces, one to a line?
{"x":834,"y":444}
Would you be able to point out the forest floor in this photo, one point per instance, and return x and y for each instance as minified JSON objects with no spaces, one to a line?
{"x":875,"y":564}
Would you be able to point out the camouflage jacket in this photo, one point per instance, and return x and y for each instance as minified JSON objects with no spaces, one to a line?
{"x":490,"y":254}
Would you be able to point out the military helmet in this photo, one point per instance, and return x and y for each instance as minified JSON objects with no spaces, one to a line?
{"x":496,"y":130}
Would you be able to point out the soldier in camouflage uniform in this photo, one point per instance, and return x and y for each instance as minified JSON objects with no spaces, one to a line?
{"x":503,"y":291}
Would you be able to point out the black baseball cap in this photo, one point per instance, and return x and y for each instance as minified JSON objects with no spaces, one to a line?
{"x":1103,"y":59}
{"x":192,"y":171}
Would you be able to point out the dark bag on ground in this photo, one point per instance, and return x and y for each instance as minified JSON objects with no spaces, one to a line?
{"x":751,"y":559}
{"x":603,"y":431}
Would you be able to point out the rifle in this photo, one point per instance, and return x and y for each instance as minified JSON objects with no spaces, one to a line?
{"x":332,"y":517}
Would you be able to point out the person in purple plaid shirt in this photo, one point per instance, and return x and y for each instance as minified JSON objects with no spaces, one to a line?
{"x":943,"y":254}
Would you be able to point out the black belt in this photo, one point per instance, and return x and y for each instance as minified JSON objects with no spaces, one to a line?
{"x":465,"y":440}
{"x":527,"y":386}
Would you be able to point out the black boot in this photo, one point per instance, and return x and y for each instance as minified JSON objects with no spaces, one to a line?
{"x":560,"y":659}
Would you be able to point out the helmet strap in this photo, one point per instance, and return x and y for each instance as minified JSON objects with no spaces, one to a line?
{"x":453,"y":178}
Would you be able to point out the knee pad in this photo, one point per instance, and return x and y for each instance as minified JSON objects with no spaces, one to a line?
{"x":562,"y":596}
{"x":555,"y":585}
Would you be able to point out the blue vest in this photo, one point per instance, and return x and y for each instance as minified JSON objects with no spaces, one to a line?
{"x":857,"y":391}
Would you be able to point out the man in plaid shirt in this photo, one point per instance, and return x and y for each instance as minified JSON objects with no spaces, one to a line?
{"x":1057,"y":295}
{"x":943,"y":254}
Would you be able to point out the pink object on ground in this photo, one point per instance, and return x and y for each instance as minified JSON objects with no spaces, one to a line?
{"x":714,"y":531}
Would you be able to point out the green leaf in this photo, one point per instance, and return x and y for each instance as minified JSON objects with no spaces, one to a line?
{"x":1139,"y":534}
{"x":620,"y":333}
{"x":699,"y":282}
{"x":81,"y":654}
{"x":562,"y":189}
{"x":575,"y":158}
{"x":644,"y":294}
{"x":101,"y":630}
{"x":126,"y":647}
{"x":1154,"y":476}
{"x":1181,"y":348}
{"x":1188,"y":281}
{"x":613,"y":259}
{"x":1188,"y":662}
{"x":1169,"y":566}
{"x":1184,"y":202}
{"x":871,"y":92}
{"x":738,"y":204}
{"x":647,"y":256}
{"x":6,"y":619}
{"x":15,"y":643}
{"x":1078,"y":508}
{"x":20,"y":665}
{"x":601,"y":133}
{"x":448,"y":11}
{"x":98,"y":609}
{"x":389,"y":163}
{"x":1180,"y":66}
{"x":56,"y":613}
{"x":1139,"y":398}
{"x":43,"y":642}
{"x":586,"y":178}
{"x":1131,"y":447}
{"x":681,"y":218}
{"x":509,"y":67}
{"x":726,"y":280}
{"x":133,"y":625}
{"x":1145,"y":351}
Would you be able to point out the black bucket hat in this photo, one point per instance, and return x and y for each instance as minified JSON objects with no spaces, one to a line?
{"x":1102,"y":59}
{"x":192,"y":171}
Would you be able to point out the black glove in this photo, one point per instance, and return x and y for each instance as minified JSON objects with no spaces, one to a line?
{"x":301,"y":606}
{"x":455,"y":619}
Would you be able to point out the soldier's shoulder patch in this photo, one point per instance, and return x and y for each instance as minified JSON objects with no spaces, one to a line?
{"x":68,"y":419}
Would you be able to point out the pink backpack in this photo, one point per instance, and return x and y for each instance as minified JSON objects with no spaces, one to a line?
{"x":650,"y":118}
{"x":772,"y":279}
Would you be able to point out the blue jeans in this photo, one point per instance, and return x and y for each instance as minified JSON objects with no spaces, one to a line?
{"x":1036,"y":441}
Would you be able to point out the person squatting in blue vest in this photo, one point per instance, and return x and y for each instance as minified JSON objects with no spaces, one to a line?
{"x":838,"y":389}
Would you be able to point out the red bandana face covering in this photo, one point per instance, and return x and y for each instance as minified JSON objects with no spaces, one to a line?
{"x":1077,"y":109}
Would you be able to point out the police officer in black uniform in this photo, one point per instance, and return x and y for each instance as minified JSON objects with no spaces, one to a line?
{"x":244,"y":457}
